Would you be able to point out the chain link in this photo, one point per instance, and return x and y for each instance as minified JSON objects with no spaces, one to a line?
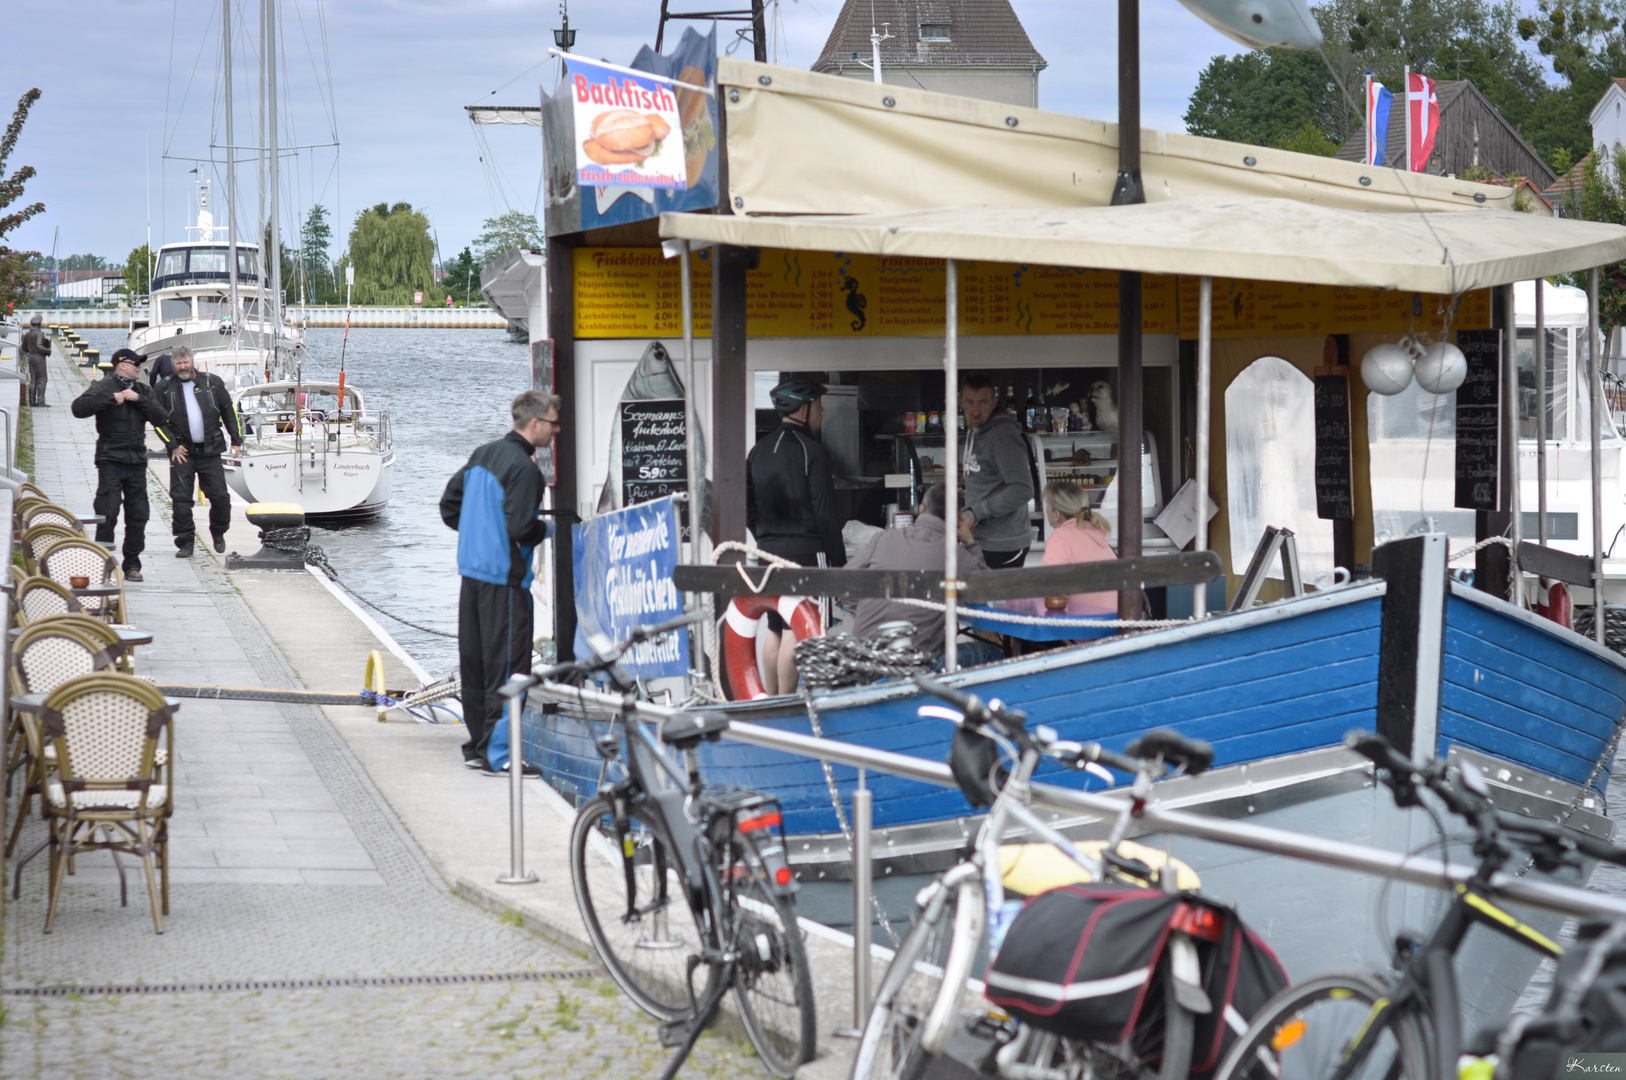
{"x":296,"y":540}
{"x":826,"y":663}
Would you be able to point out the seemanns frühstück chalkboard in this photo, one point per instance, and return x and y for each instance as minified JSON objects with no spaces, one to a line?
{"x":653,"y":463}
{"x":1334,"y":496}
{"x":1478,"y":419}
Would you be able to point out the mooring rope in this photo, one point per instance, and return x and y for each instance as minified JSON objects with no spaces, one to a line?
{"x":296,"y":540}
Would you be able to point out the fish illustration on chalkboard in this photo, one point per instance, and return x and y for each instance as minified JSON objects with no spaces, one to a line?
{"x":856,"y":302}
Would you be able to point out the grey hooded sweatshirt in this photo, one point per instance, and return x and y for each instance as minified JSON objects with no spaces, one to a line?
{"x":999,"y":484}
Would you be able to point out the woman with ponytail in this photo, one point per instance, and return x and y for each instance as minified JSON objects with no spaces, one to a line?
{"x":1078,"y":535}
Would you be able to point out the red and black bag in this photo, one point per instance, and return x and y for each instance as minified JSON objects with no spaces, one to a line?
{"x":1082,"y":961}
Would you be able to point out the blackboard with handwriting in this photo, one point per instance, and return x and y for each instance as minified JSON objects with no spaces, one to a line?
{"x":653,"y":463}
{"x":1334,"y":495}
{"x":1478,"y":419}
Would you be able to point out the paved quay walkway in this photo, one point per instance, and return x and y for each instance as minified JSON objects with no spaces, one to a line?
{"x":309,"y":846}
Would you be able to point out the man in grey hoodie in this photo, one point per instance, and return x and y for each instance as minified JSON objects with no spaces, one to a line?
{"x":998,"y":475}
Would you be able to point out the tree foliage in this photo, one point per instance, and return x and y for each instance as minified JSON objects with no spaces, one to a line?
{"x":1601,"y":196}
{"x":394,"y":256}
{"x":83,"y":262}
{"x":15,"y":266}
{"x":315,"y":237}
{"x":463,"y":276}
{"x":515,"y":229}
{"x":138,"y":272}
{"x":1269,"y":98}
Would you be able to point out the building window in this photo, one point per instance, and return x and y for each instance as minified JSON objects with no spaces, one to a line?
{"x":934,"y":32}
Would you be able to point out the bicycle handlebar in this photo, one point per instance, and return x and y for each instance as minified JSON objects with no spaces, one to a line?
{"x":1010,"y":721}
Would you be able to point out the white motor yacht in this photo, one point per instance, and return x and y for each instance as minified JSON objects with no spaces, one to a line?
{"x":303,"y":444}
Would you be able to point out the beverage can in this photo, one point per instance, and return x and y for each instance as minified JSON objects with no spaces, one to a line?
{"x":909,"y":427}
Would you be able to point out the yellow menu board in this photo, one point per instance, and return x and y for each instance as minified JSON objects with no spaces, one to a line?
{"x":634,"y":293}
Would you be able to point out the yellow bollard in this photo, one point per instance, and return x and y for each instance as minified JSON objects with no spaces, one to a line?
{"x":373,"y":678}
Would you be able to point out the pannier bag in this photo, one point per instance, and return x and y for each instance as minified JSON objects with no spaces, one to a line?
{"x":1585,"y":1014}
{"x":1082,"y":961}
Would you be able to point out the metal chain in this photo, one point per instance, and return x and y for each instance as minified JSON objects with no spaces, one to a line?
{"x":295,"y":540}
{"x":846,"y":827}
{"x":825,"y":663}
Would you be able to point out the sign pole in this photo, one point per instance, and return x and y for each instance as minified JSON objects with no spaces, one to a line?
{"x":1205,"y":366}
{"x":1541,"y":413}
{"x":951,"y":466}
{"x":1595,"y":389}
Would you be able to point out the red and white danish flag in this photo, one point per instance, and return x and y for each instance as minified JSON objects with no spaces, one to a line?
{"x":1422,"y":119}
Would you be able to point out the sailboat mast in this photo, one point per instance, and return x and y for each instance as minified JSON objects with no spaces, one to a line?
{"x":271,"y":162}
{"x":231,"y":169}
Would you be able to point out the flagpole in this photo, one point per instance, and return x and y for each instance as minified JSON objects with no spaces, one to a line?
{"x":1367,"y":105}
{"x":1407,"y":129}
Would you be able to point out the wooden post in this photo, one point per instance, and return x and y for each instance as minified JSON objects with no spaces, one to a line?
{"x":561,"y":286}
{"x":730,"y":391}
{"x":1131,"y":399}
{"x":1492,"y":565}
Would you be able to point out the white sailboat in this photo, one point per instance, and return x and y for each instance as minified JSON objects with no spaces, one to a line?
{"x":316,"y":444}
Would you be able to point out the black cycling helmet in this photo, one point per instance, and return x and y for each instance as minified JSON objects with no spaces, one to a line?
{"x":794,"y":392}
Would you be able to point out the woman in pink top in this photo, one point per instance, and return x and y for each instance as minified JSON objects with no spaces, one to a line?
{"x":1078,"y":535}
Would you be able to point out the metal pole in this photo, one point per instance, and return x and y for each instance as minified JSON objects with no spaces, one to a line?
{"x":1595,"y":384}
{"x":272,"y":164}
{"x":1541,"y":412}
{"x":1128,"y":191}
{"x":231,"y":171}
{"x":695,"y":484}
{"x":1407,"y":95}
{"x":1510,"y":376}
{"x":515,"y":693}
{"x":862,"y":906}
{"x":951,"y":467}
{"x":1205,"y":373}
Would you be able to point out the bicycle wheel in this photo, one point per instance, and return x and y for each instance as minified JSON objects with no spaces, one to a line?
{"x":1306,"y":1031}
{"x":640,"y":923}
{"x":1165,"y":1030}
{"x":772,"y":982}
{"x":890,"y":1046}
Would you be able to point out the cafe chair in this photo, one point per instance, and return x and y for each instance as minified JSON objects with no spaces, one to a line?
{"x":44,"y":656}
{"x":28,"y":487}
{"x":50,"y":514}
{"x":107,"y":730}
{"x":104,"y":636}
{"x":77,"y":557}
{"x":36,"y":538}
{"x":40,"y":598}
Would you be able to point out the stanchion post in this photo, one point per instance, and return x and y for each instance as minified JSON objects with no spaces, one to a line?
{"x":514,"y":691}
{"x":863,"y":909}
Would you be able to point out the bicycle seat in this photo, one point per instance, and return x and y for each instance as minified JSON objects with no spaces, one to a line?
{"x":1194,"y":755}
{"x":686,"y":730}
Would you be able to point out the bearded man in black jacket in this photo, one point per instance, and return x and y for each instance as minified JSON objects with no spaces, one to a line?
{"x":202,"y":420}
{"x":123,"y":407}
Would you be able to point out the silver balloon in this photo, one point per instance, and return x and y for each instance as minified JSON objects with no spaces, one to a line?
{"x":1386,"y":369}
{"x":1442,"y":368}
{"x":1261,"y":24}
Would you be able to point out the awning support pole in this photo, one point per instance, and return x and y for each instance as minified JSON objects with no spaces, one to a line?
{"x":951,"y":466}
{"x":1595,"y":442}
{"x":1541,"y":364}
{"x":1205,"y":366}
{"x":695,"y":483}
{"x":1510,"y":379}
{"x":1131,"y":422}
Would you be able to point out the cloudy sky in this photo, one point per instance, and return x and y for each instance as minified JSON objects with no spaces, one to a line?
{"x":127,"y":81}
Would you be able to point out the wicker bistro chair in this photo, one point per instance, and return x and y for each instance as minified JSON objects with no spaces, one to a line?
{"x":49,"y":514}
{"x":36,"y":538}
{"x":41,"y":598}
{"x":77,"y":556}
{"x":28,"y":487}
{"x":45,"y":655}
{"x":107,"y":729}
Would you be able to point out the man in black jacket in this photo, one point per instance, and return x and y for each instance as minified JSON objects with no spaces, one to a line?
{"x":123,"y":407}
{"x":492,"y":502}
{"x":202,"y":420}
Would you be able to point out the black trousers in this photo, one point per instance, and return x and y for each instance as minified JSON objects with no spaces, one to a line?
{"x":494,"y":641}
{"x":999,"y":560}
{"x":36,"y":379}
{"x":211,"y":476}
{"x":123,"y":483}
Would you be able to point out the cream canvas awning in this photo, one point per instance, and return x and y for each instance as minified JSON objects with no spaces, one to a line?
{"x":1259,"y":239}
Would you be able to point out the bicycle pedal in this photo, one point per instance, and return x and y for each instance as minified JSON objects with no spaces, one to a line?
{"x":673,"y":1032}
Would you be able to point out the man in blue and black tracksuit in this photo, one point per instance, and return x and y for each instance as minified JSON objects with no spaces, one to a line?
{"x":492,"y":502}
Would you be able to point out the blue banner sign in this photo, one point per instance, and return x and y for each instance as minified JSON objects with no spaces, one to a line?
{"x":624,"y":562}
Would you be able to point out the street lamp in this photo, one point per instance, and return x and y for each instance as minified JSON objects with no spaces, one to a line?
{"x":564,"y":37}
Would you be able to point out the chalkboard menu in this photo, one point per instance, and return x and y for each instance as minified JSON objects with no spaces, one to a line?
{"x":1334,"y":497}
{"x":1478,"y":419}
{"x":652,"y":454}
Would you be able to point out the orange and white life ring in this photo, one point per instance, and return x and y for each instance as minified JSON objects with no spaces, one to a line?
{"x":740,"y":625}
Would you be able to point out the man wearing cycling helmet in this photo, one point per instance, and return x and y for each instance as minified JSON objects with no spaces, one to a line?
{"x":790,"y":503}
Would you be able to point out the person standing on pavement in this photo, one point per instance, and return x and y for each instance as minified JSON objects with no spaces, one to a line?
{"x":123,"y":407}
{"x":202,"y":421}
{"x":790,"y":506}
{"x":998,"y":476}
{"x":493,"y":503}
{"x":36,"y":350}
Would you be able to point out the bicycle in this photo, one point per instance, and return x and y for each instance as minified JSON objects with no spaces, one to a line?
{"x":917,"y":1006}
{"x":1408,"y":1023}
{"x":718,"y":852}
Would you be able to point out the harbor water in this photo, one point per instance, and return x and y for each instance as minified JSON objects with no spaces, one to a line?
{"x":447,"y":391}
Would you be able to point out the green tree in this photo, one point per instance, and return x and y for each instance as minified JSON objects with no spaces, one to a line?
{"x":1269,"y":98}
{"x":315,"y":237}
{"x":138,"y":272}
{"x":515,"y":229}
{"x":84,"y":262}
{"x":16,"y":270}
{"x":290,"y":264}
{"x":1601,"y":196}
{"x":463,"y":277}
{"x":394,"y":256}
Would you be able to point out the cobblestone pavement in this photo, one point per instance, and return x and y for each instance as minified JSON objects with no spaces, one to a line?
{"x":287,"y":866}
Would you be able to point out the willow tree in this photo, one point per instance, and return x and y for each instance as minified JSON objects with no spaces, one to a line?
{"x":394,"y":256}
